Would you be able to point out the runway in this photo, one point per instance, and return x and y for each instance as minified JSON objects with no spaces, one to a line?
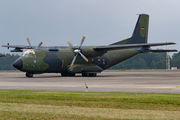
{"x":136,"y":82}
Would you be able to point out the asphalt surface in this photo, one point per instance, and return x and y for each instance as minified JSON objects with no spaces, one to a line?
{"x":138,"y":82}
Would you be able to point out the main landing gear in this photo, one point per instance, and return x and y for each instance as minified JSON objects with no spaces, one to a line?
{"x":89,"y":74}
{"x":29,"y":74}
{"x":66,"y":74}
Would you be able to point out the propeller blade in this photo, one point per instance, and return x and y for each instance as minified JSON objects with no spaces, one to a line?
{"x":8,"y":45}
{"x":39,"y":45}
{"x":74,"y":60}
{"x":70,"y":45}
{"x":83,"y":38}
{"x":78,"y":51}
{"x":83,"y":57}
{"x":29,"y":42}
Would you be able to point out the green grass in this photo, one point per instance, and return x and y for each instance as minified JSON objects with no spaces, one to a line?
{"x":21,"y":104}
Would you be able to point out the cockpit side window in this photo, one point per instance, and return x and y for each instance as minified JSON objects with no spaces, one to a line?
{"x":29,"y":53}
{"x":26,"y":55}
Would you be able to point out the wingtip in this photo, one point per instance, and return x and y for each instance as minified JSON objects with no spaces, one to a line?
{"x":170,"y":43}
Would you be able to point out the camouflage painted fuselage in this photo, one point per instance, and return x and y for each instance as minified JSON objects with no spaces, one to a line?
{"x":46,"y":61}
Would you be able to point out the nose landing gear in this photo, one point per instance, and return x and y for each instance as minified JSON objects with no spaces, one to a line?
{"x":29,"y":74}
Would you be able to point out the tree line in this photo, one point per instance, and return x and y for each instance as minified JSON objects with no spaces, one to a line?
{"x":141,"y":61}
{"x":149,"y":61}
{"x":6,"y":62}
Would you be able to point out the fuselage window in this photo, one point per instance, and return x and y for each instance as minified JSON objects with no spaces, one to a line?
{"x":25,"y":55}
{"x":99,"y":61}
{"x":30,"y":55}
{"x":103,"y":61}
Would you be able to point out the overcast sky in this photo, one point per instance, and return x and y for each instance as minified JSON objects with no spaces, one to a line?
{"x":54,"y":22}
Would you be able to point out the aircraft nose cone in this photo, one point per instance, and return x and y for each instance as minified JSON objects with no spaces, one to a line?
{"x":18,"y":64}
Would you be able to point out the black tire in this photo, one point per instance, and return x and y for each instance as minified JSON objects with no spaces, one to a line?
{"x":71,"y":74}
{"x":66,"y":74}
{"x":89,"y":74}
{"x":93,"y":74}
{"x":29,"y":74}
{"x":84,"y":74}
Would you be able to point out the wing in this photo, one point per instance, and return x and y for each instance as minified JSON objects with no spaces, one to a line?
{"x":19,"y":46}
{"x":145,"y":47}
{"x":127,"y":46}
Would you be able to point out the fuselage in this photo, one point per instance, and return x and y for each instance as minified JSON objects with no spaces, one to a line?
{"x":58,"y":61}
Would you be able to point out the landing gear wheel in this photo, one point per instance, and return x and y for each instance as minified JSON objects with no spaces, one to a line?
{"x":93,"y":74}
{"x":85,"y":74}
{"x":29,"y":74}
{"x":71,"y":74}
{"x":66,"y":74}
{"x":89,"y":74}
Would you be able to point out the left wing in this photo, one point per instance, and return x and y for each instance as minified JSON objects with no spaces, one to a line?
{"x":18,"y":48}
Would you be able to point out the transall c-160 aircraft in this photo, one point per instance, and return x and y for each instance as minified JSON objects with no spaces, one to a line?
{"x":87,"y":60}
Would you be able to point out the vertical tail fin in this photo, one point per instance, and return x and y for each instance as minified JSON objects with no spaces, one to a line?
{"x":140,"y":34}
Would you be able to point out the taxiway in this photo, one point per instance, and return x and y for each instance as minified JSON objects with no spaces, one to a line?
{"x":138,"y":82}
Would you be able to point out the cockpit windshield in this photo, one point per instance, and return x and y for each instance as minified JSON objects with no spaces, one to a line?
{"x":29,"y":53}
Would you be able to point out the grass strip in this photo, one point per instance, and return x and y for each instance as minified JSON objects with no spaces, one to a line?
{"x":88,"y":105}
{"x":85,"y":112}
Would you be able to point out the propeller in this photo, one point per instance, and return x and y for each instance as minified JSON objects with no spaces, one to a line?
{"x":29,"y":42}
{"x":8,"y":45}
{"x":39,"y":45}
{"x":77,"y":51}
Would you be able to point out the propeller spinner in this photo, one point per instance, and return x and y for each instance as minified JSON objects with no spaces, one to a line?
{"x":78,"y":51}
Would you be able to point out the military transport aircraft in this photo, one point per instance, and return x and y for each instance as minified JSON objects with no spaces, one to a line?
{"x":87,"y":60}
